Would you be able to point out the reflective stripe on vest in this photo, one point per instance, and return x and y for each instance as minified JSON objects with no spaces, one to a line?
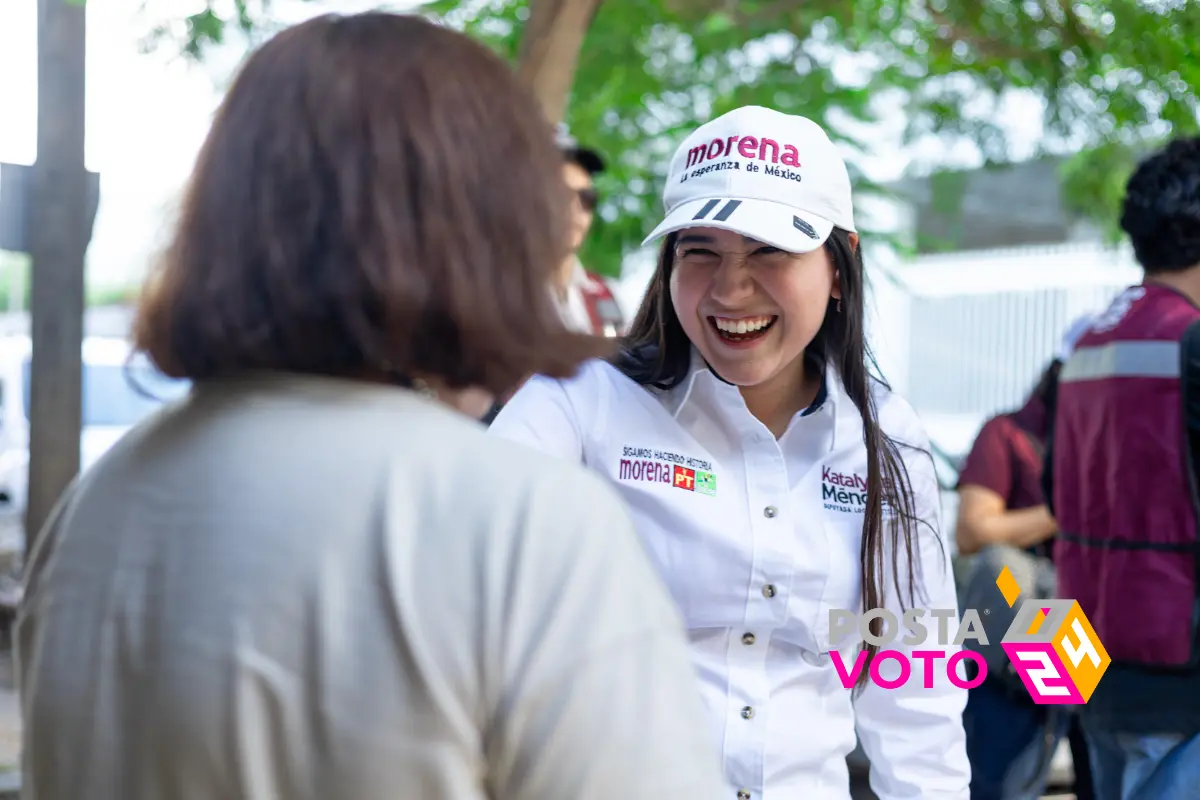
{"x":1136,"y":359}
{"x":1122,"y":482}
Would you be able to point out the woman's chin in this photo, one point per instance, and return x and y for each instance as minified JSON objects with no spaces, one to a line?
{"x":744,"y":371}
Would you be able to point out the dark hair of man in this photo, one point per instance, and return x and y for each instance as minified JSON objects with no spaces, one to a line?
{"x":587,"y":160}
{"x":1161,"y":210}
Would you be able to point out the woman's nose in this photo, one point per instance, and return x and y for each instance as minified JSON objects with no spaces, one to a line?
{"x":732,"y":282}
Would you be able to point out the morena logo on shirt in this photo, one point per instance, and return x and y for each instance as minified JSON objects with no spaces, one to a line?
{"x":643,"y":464}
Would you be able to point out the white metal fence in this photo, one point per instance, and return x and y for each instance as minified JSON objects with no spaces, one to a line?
{"x":964,"y":336}
{"x":981,"y":354}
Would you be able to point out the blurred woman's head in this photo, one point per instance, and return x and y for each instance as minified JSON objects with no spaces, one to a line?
{"x":378,"y":198}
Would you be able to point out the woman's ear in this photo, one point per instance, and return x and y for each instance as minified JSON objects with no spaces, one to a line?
{"x":853,"y":239}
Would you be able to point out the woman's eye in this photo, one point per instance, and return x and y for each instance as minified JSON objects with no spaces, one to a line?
{"x":697,"y":251}
{"x":767,"y":250}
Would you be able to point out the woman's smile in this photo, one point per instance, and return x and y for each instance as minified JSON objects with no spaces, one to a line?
{"x":742,"y":332}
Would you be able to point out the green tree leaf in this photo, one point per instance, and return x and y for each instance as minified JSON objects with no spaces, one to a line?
{"x":1117,"y":76}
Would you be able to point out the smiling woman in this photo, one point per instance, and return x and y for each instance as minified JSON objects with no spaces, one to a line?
{"x":744,"y":392}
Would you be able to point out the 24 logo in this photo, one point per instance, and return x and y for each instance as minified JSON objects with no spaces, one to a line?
{"x":1053,"y":647}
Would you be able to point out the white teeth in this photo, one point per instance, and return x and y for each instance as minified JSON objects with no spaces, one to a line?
{"x":742,"y":325}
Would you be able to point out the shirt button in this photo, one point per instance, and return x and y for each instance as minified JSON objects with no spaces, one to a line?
{"x":770,"y":511}
{"x":769,"y":590}
{"x":747,"y":639}
{"x":747,"y":712}
{"x":743,"y":794}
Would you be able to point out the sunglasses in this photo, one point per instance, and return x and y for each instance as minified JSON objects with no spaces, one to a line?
{"x":588,"y":198}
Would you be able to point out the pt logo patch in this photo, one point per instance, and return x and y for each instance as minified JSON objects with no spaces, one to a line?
{"x":647,"y":465}
{"x":685,"y":478}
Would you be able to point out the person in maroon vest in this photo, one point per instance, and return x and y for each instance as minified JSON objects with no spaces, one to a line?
{"x":1001,"y":502}
{"x":1121,"y":475}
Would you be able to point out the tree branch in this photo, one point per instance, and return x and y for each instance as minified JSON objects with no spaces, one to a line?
{"x":986,"y":47}
{"x":550,"y":48}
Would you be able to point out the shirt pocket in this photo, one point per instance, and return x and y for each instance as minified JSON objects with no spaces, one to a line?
{"x":704,"y":564}
{"x":843,"y":585}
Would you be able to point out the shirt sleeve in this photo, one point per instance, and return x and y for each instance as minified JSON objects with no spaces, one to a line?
{"x":541,"y":416}
{"x":990,"y":462}
{"x":913,"y":735}
{"x":600,"y":698}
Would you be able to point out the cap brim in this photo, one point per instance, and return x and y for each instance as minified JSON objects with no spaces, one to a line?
{"x":776,"y":224}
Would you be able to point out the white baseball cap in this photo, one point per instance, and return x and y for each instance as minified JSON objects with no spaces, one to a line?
{"x":771,"y":176}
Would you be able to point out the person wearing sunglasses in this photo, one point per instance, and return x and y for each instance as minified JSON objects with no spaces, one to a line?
{"x":585,"y":301}
{"x":584,"y":298}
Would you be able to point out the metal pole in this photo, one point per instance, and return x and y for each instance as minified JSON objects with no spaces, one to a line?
{"x":59,"y":231}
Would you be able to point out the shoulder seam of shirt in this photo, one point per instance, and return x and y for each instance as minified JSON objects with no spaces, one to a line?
{"x":599,"y":376}
{"x":906,"y":427}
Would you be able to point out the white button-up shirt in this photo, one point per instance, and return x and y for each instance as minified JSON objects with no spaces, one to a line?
{"x":758,"y":539}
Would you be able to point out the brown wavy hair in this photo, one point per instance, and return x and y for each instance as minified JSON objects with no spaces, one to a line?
{"x":378,"y":197}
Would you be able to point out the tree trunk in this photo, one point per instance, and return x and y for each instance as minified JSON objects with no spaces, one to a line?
{"x":550,"y":50}
{"x":59,"y":231}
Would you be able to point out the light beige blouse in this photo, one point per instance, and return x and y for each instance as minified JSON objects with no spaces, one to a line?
{"x":293,"y":587}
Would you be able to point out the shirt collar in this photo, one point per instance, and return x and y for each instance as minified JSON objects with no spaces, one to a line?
{"x":831,"y":403}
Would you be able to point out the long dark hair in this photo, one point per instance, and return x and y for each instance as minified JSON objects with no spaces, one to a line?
{"x":657,"y":352}
{"x":1046,"y":390}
